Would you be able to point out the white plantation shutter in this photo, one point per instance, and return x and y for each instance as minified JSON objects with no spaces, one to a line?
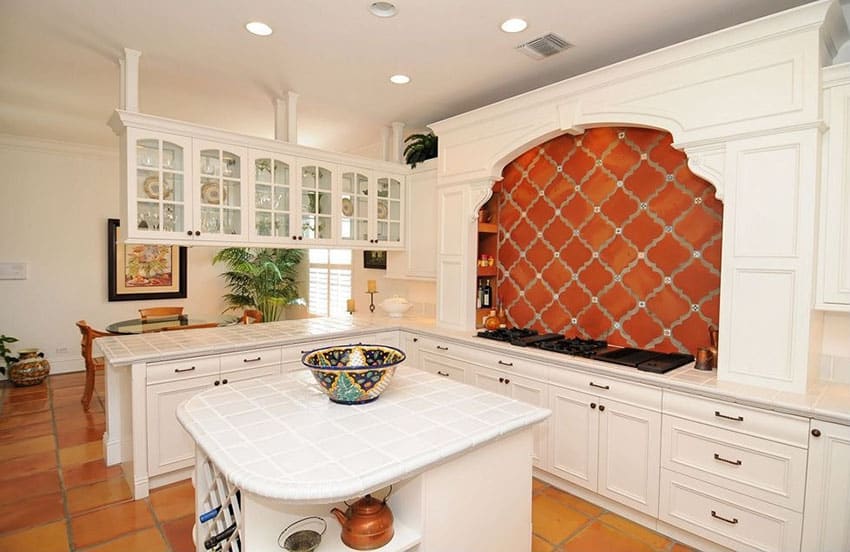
{"x":330,"y":281}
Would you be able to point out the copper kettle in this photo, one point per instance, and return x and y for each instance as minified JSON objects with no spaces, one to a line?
{"x":367,"y":524}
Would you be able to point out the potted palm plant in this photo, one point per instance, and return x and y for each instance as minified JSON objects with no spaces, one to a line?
{"x":261,"y":278}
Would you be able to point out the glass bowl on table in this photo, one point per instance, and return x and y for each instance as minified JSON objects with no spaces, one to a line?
{"x":353,"y":374}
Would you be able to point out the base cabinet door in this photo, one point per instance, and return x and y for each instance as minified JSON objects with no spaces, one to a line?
{"x":826,"y":520}
{"x":573,"y":436}
{"x":629,"y":455}
{"x":169,"y":446}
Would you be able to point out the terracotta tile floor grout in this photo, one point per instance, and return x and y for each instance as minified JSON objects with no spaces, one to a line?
{"x":99,"y":515}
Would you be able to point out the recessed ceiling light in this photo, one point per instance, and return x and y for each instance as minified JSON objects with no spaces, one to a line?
{"x":514,"y":25}
{"x":399,"y":79}
{"x":258,"y":28}
{"x":383,"y":9}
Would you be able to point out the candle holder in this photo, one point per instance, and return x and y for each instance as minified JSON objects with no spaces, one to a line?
{"x":372,"y":300}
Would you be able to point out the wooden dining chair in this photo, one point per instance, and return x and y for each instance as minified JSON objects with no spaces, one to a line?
{"x":93,"y":363}
{"x":154,"y":312}
{"x":251,"y":316}
{"x":190,"y":327}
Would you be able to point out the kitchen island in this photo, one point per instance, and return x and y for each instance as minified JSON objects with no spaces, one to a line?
{"x":458,"y":458}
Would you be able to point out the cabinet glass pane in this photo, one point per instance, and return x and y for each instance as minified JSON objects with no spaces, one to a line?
{"x":383,"y":209}
{"x":348,"y":183}
{"x":383,"y":230}
{"x":263,"y":196}
{"x":395,"y":189}
{"x":362,"y":232}
{"x":263,"y":224}
{"x":147,"y":184}
{"x":210,"y":191}
{"x":281,"y":173}
{"x":232,"y":193}
{"x":148,"y":216}
{"x":172,"y":217}
{"x":313,"y":226}
{"x":147,"y":153}
{"x":172,"y":157}
{"x":395,"y":210}
{"x":263,"y":170}
{"x":281,"y":224}
{"x":173,"y":186}
{"x":395,"y":231}
{"x":308,"y":178}
{"x":383,"y":187}
{"x":210,"y":220}
{"x":231,"y":222}
{"x":210,"y":162}
{"x":281,"y":199}
{"x":324,"y":179}
{"x":230,"y":165}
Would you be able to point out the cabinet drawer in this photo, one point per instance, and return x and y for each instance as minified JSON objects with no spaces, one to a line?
{"x":515,"y":366}
{"x":441,"y":347}
{"x":293,"y":353}
{"x":735,"y":520}
{"x":763,"y":469}
{"x":182,"y":369}
{"x":443,"y":366}
{"x":786,"y":428}
{"x":250,"y":359}
{"x":632,"y":393}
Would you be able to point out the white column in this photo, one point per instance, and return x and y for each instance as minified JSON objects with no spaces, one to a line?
{"x":129,"y":84}
{"x":397,"y":148}
{"x":280,"y":129}
{"x":292,"y":117}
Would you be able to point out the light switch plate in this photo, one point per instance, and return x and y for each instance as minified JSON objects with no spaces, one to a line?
{"x":13,"y":271}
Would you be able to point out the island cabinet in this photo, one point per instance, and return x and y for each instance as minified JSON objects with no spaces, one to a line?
{"x":605,"y":436}
{"x":169,"y":447}
{"x":733,"y":474}
{"x":825,"y":523}
{"x":185,"y":184}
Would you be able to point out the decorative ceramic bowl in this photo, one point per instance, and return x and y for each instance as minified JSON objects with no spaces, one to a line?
{"x":353,"y":374}
{"x":395,"y":306}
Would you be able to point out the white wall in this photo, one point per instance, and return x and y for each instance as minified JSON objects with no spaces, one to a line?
{"x":55,"y":200}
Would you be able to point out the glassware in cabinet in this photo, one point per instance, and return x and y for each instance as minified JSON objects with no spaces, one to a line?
{"x":220,"y":192}
{"x":156,"y":203}
{"x":354,"y":207}
{"x":316,"y":203}
{"x":272,"y":211}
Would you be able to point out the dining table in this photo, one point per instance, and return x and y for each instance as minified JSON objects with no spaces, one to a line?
{"x":139,"y":326}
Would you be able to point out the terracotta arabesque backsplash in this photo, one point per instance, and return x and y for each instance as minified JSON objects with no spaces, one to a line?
{"x":609,"y":235}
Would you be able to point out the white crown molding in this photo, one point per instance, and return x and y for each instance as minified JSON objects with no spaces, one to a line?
{"x":12,"y":142}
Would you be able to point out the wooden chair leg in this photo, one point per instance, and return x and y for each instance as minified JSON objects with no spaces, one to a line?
{"x":89,"y":390}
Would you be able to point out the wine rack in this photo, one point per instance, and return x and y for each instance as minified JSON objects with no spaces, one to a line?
{"x":219,"y":525}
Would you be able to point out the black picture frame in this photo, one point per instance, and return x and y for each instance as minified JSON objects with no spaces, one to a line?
{"x":375,"y":259}
{"x":118,"y":292}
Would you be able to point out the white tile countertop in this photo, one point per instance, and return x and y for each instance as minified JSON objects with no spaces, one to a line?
{"x":824,"y":401}
{"x":282,"y":438}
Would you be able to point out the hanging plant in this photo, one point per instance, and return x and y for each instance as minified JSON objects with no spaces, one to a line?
{"x":420,"y":147}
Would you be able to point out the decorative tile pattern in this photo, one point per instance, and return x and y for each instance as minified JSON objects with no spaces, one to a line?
{"x":609,"y":235}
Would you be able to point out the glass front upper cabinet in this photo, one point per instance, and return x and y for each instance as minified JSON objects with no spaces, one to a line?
{"x":159,"y":168}
{"x":389,"y":210}
{"x":219,"y":194}
{"x":272,"y":199}
{"x":316,"y":203}
{"x":354,"y":207}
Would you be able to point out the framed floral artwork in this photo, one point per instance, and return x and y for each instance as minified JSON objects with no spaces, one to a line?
{"x":139,"y":272}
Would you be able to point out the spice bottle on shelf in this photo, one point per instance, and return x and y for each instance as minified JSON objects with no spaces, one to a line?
{"x":487,"y":297}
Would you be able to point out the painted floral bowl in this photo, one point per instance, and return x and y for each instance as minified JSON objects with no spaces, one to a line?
{"x":353,"y":374}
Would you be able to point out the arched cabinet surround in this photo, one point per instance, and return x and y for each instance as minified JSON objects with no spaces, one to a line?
{"x":744,"y":105}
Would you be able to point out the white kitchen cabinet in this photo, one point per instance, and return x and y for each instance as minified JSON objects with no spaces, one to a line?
{"x":169,"y":447}
{"x":274,"y":207}
{"x":418,"y":261}
{"x":370,"y":206}
{"x":825,"y":519}
{"x":606,"y":446}
{"x":220,"y":191}
{"x":316,"y":201}
{"x":410,"y":346}
{"x":833,"y":289}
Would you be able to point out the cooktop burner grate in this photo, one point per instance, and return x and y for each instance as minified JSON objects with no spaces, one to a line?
{"x":573,"y":346}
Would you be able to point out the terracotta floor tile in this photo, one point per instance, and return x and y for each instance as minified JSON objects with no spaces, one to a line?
{"x":538,"y":545}
{"x":639,"y":532}
{"x":78,"y":436}
{"x":108,"y":523}
{"x":52,"y":537}
{"x":679,"y":547}
{"x":67,"y":380}
{"x":599,"y":536}
{"x":27,"y":465}
{"x":25,"y":407}
{"x":537,"y":485}
{"x":95,"y":495}
{"x":179,"y":534}
{"x":552,"y":520}
{"x":75,"y":391}
{"x":11,"y":422}
{"x":89,"y":472}
{"x":31,"y":511}
{"x":18,"y":433}
{"x":75,"y":409}
{"x":90,"y":419}
{"x":148,"y":540}
{"x":26,"y":447}
{"x":573,"y":501}
{"x":16,"y":398}
{"x":173,"y":501}
{"x":78,"y":454}
{"x":37,"y":484}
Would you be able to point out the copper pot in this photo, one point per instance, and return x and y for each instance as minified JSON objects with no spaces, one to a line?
{"x":367,"y":524}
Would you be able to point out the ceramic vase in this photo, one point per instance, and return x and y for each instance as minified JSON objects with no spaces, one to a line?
{"x":30,"y":369}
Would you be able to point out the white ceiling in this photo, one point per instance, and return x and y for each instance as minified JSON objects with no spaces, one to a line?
{"x":59,"y":71}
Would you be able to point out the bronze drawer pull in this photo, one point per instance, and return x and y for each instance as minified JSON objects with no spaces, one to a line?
{"x":506,"y":363}
{"x":440,"y":373}
{"x":600,"y":386}
{"x":252,"y":359}
{"x":442,"y":348}
{"x":725,"y":417}
{"x":179,"y":370}
{"x":733,"y":462}
{"x":733,"y":521}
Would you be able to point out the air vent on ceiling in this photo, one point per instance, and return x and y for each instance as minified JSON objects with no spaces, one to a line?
{"x":544,"y":46}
